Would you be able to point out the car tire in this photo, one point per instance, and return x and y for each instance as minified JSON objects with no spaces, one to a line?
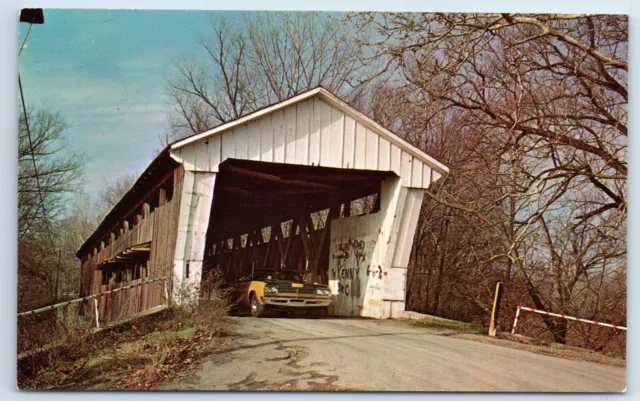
{"x":257,"y":310}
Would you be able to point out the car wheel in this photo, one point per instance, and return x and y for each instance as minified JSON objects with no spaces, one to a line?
{"x":256,"y":309}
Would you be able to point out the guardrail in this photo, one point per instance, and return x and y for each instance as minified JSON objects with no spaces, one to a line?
{"x":95,"y":298}
{"x":562,"y":316}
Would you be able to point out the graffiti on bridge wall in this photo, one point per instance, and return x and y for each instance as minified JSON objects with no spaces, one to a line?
{"x":348,"y":256}
{"x":375,"y":271}
{"x":349,"y":259}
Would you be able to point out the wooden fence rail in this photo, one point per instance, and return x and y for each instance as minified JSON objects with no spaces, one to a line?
{"x":97,"y":296}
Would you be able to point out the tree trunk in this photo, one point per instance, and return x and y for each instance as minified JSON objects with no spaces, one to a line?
{"x":443,"y":255}
{"x":558,"y":328}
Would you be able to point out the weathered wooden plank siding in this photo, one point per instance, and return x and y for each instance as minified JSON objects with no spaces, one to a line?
{"x":139,"y":234}
{"x":122,"y":304}
{"x":312,"y":133}
{"x":159,"y":228}
{"x":164,"y":242}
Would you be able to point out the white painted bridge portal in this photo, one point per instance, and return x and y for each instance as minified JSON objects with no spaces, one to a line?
{"x":314,"y":148}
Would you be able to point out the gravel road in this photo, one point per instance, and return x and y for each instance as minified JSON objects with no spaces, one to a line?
{"x":370,"y":355}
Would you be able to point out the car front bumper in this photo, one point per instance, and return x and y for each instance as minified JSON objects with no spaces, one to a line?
{"x":296,"y":302}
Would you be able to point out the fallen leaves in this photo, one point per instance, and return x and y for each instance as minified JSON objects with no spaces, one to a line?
{"x":135,"y":357}
{"x":170,"y":359}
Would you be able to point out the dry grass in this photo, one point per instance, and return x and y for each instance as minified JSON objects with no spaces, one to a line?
{"x":443,"y":324}
{"x":133,"y":355}
{"x":478,"y":333}
{"x":552,"y":349}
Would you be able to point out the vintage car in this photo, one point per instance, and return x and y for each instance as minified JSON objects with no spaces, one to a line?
{"x":282,"y":291}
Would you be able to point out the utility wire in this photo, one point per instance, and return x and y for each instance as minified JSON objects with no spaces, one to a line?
{"x":35,"y":169}
{"x":25,"y":39}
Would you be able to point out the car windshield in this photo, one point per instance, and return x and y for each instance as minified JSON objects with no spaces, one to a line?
{"x":270,"y":274}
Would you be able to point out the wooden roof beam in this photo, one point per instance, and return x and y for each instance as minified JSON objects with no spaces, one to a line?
{"x":226,"y":224}
{"x":276,"y":178}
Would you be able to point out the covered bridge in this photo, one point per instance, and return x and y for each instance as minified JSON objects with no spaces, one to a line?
{"x":309,"y":183}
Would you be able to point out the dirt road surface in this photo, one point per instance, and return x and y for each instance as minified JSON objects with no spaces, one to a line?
{"x":369,"y":355}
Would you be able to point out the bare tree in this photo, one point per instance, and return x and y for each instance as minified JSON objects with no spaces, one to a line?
{"x":82,"y":217}
{"x":48,"y":173}
{"x":530,"y":113}
{"x":58,"y":169}
{"x":114,"y":190}
{"x":550,"y":83}
{"x":268,"y":57}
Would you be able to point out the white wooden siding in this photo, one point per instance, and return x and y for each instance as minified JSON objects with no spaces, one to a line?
{"x":416,"y":174}
{"x":396,"y":154}
{"x":215,"y":150}
{"x":290,"y":135}
{"x":426,"y":176}
{"x":301,"y":129}
{"x":348,"y":154}
{"x":361,"y":134}
{"x":384,"y":155}
{"x":241,"y":141}
{"x":371,"y":152}
{"x":266,"y":137}
{"x":325,"y":132}
{"x":310,"y":132}
{"x":278,"y":136}
{"x":201,"y":157}
{"x":314,"y":132}
{"x":407,"y":228}
{"x":253,"y":129}
{"x":188,"y":157}
{"x":228,"y":147}
{"x":336,"y":137}
{"x":405,"y":168}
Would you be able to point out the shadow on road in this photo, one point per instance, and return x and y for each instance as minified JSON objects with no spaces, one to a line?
{"x":279,"y":342}
{"x":244,"y":313}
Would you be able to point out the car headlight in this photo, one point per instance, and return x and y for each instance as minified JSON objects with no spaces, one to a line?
{"x":322,"y":291}
{"x":270,"y":289}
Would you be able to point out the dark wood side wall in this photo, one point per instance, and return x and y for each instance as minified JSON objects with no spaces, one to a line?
{"x":163,"y":246}
{"x":306,"y":251}
{"x":160,"y":227}
{"x":303,"y":248}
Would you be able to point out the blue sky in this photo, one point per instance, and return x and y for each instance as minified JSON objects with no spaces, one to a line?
{"x":105,"y":71}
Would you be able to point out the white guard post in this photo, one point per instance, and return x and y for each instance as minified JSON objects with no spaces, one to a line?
{"x":562,"y":316}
